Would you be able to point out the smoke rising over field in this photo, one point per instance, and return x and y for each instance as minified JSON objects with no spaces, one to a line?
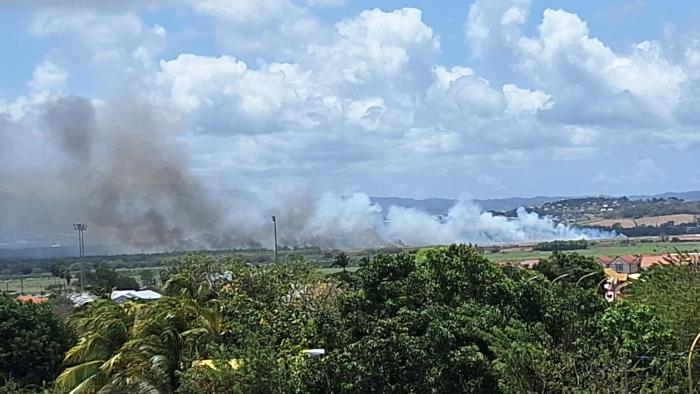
{"x":116,"y":167}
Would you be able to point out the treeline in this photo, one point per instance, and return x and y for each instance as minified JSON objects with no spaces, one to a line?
{"x":562,"y":245}
{"x":652,"y":231}
{"x":657,"y":207}
{"x":442,"y":320}
{"x":321,"y":257}
{"x":43,"y":266}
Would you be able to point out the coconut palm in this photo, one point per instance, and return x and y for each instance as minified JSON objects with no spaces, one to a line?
{"x":139,"y":347}
{"x":104,"y":328}
{"x":341,"y":260}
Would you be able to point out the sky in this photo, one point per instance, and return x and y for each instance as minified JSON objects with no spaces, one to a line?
{"x":187,"y":123}
{"x":407,"y":98}
{"x":415,"y":98}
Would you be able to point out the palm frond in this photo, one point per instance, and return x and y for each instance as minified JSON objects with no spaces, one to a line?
{"x":89,"y":348}
{"x":80,"y":377}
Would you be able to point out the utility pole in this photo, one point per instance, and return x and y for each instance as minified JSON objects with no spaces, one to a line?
{"x":274,"y":226}
{"x":80,"y":228}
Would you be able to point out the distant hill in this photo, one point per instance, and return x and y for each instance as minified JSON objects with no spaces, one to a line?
{"x":440,"y":206}
{"x":45,"y":252}
{"x":687,"y":196}
{"x":37,"y":252}
{"x":504,"y":204}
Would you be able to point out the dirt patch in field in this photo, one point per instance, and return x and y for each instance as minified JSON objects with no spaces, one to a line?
{"x":644,"y":221}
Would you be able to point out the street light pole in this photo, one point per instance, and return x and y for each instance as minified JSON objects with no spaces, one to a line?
{"x":274,"y":226}
{"x":80,"y":228}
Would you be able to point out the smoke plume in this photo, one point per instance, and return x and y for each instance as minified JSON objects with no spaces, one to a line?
{"x":117,"y":167}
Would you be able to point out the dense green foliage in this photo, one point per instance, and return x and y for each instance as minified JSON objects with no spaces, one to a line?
{"x":441,"y":320}
{"x":571,"y":268}
{"x":457,"y":323}
{"x":104,"y":280}
{"x":554,"y":246}
{"x":32,"y":342}
{"x":673,"y":292}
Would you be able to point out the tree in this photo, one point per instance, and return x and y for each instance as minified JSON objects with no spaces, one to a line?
{"x":571,"y":268}
{"x":32,"y":342}
{"x":104,"y":280}
{"x":341,"y":260}
{"x":451,"y":321}
{"x":61,"y":271}
{"x":673,"y":292}
{"x":147,"y":278}
{"x":142,"y":347}
{"x":442,"y":320}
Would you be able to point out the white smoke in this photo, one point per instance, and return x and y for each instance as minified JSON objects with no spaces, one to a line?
{"x":466,"y":222}
{"x":354,"y":221}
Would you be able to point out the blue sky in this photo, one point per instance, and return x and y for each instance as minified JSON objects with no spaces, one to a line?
{"x":411,"y":98}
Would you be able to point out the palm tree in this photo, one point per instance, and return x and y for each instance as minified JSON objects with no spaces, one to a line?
{"x":138,"y":347}
{"x":60,"y":271}
{"x":341,"y":260}
{"x":105,"y":328}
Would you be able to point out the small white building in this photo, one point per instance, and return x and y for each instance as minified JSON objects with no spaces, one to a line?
{"x":119,"y":296}
{"x":81,"y":299}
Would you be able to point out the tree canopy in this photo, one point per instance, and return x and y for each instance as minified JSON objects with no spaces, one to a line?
{"x":32,"y":342}
{"x":441,"y":320}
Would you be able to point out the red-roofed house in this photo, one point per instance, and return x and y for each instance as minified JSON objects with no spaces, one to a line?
{"x":32,"y":299}
{"x":622,"y":264}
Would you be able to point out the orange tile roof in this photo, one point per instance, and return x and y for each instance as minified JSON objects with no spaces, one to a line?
{"x":605,"y":260}
{"x":529,"y":263}
{"x":628,"y":259}
{"x":652,"y":260}
{"x":32,"y":299}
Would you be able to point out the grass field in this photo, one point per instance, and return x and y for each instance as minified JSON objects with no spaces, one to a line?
{"x":39,"y":283}
{"x":33,"y":285}
{"x":646,"y":221}
{"x":603,"y":249}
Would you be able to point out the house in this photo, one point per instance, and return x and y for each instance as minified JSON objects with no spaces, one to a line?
{"x":529,"y":264}
{"x":32,"y":299}
{"x":626,"y":264}
{"x":82,"y":299}
{"x":120,"y":296}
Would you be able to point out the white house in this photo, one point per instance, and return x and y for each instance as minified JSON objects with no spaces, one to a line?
{"x":119,"y":296}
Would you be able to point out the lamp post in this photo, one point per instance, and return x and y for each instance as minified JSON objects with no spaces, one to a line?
{"x":586,"y":276}
{"x":274,"y":227}
{"x":80,"y":228}
{"x":559,"y":277}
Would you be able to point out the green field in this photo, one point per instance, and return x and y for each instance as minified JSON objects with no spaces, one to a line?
{"x":32,"y":285}
{"x":38,"y":283}
{"x":603,"y":248}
